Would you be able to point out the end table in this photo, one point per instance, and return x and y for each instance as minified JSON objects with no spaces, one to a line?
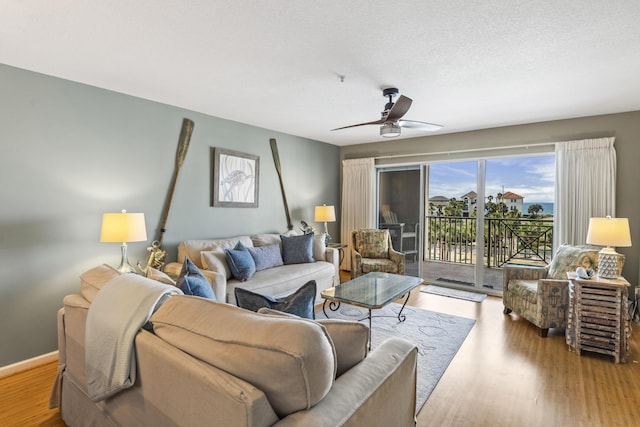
{"x":597,"y":318}
{"x":340,"y":247}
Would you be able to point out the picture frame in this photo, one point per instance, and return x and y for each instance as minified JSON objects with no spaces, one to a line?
{"x":235,"y":179}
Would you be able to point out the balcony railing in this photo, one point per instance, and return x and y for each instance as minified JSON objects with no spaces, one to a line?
{"x":506,"y":240}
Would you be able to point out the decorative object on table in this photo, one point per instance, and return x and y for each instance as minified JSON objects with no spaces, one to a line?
{"x":299,"y":303}
{"x":235,"y":179}
{"x":276,"y":161}
{"x":325,"y":214}
{"x":306,"y":228}
{"x":157,"y":256}
{"x":585,"y":273}
{"x":124,"y":228}
{"x":609,"y":232}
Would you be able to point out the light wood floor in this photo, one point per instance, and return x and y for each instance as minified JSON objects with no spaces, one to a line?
{"x":503,"y":375}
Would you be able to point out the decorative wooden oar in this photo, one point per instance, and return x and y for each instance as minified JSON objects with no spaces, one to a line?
{"x":276,"y":160}
{"x":157,"y":255}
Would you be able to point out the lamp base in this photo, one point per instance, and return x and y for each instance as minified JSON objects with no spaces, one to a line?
{"x":327,"y":236}
{"x":124,"y":266}
{"x":609,"y":264}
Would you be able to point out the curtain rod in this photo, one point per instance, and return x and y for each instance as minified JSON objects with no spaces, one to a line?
{"x":469,"y":150}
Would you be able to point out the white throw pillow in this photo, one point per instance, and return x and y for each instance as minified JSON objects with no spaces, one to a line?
{"x":216,"y":260}
{"x":319,"y":247}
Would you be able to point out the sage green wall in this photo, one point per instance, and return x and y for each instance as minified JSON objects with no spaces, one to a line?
{"x":625,"y":127}
{"x":70,"y":152}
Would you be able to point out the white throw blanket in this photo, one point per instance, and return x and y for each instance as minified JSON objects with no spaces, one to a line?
{"x":115,"y":316}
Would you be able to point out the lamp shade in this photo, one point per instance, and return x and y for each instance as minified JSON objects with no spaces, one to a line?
{"x":609,"y":232}
{"x":324,"y":213}
{"x":123,"y":227}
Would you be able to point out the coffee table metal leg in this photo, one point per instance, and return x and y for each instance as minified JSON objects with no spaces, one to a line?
{"x":333,"y":306}
{"x":402,"y":317}
{"x":369,"y":329}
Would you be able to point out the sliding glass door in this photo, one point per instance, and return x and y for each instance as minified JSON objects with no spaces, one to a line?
{"x":485,"y":214}
{"x":400,"y":201}
{"x":452,"y":224}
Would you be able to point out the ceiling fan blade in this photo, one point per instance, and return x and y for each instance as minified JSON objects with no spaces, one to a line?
{"x":377,"y":122}
{"x":399,"y":109}
{"x":412,"y":124}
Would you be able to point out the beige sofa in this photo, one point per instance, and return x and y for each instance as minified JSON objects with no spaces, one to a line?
{"x":276,"y":282}
{"x":204,"y":363}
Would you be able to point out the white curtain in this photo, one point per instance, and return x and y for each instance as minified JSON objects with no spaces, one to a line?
{"x":358,"y":201}
{"x":585,"y":187}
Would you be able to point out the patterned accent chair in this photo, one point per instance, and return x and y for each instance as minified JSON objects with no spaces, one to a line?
{"x":541,"y":295}
{"x":372,"y":250}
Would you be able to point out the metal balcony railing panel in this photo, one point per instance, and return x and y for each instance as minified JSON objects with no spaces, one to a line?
{"x":507,"y":240}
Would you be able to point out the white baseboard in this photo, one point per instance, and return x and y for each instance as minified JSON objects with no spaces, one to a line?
{"x":24,"y":365}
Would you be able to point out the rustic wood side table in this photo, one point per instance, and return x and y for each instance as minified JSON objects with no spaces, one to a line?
{"x":597,"y":318}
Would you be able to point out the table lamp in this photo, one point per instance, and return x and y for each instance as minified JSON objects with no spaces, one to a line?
{"x":325,"y":214}
{"x":609,"y":232}
{"x":123,"y":227}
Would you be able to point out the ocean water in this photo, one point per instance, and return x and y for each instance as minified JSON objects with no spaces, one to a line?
{"x":546,"y":206}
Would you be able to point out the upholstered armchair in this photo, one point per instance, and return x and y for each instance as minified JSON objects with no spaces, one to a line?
{"x":372,"y":250}
{"x":541,"y":295}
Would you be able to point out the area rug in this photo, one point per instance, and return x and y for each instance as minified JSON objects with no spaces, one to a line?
{"x":454,"y":293}
{"x":438,"y":337}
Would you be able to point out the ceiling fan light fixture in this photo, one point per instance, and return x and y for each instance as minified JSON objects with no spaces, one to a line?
{"x":390,"y":130}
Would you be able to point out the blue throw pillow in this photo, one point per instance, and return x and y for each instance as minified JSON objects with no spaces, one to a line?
{"x":192,"y":282}
{"x":241,"y":263}
{"x":299,"y":303}
{"x":268,"y":256}
{"x":297,"y":249}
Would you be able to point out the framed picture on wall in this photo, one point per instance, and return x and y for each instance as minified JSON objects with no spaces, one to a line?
{"x":235,"y":179}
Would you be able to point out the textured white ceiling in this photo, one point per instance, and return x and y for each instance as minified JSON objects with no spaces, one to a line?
{"x":467,"y":64}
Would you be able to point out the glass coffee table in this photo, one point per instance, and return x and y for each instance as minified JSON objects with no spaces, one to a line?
{"x":370,"y":291}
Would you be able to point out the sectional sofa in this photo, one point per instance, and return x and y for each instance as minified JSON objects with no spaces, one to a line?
{"x":199,"y":362}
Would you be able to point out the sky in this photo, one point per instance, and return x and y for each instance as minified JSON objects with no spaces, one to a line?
{"x":531,"y":177}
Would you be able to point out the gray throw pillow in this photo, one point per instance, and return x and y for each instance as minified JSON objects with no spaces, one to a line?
{"x":297,"y":249}
{"x":241,"y":263}
{"x":193,"y":282}
{"x":299,"y":303}
{"x":266,"y":256}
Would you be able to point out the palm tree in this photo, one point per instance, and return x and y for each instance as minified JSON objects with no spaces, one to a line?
{"x":534,"y":209}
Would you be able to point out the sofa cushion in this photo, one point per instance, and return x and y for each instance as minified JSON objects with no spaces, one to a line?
{"x":240,"y":262}
{"x":216,"y":260}
{"x":91,"y":281}
{"x":350,"y":339}
{"x":193,"y":282}
{"x":525,"y":289}
{"x":369,"y":265}
{"x":268,"y":256}
{"x":297,"y":249}
{"x":281,"y":281}
{"x":299,"y":303}
{"x":372,"y":243}
{"x":291,"y":360}
{"x":159,"y":276}
{"x":567,"y":258}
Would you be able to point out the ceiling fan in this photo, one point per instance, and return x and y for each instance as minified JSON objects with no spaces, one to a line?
{"x":391,"y":119}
